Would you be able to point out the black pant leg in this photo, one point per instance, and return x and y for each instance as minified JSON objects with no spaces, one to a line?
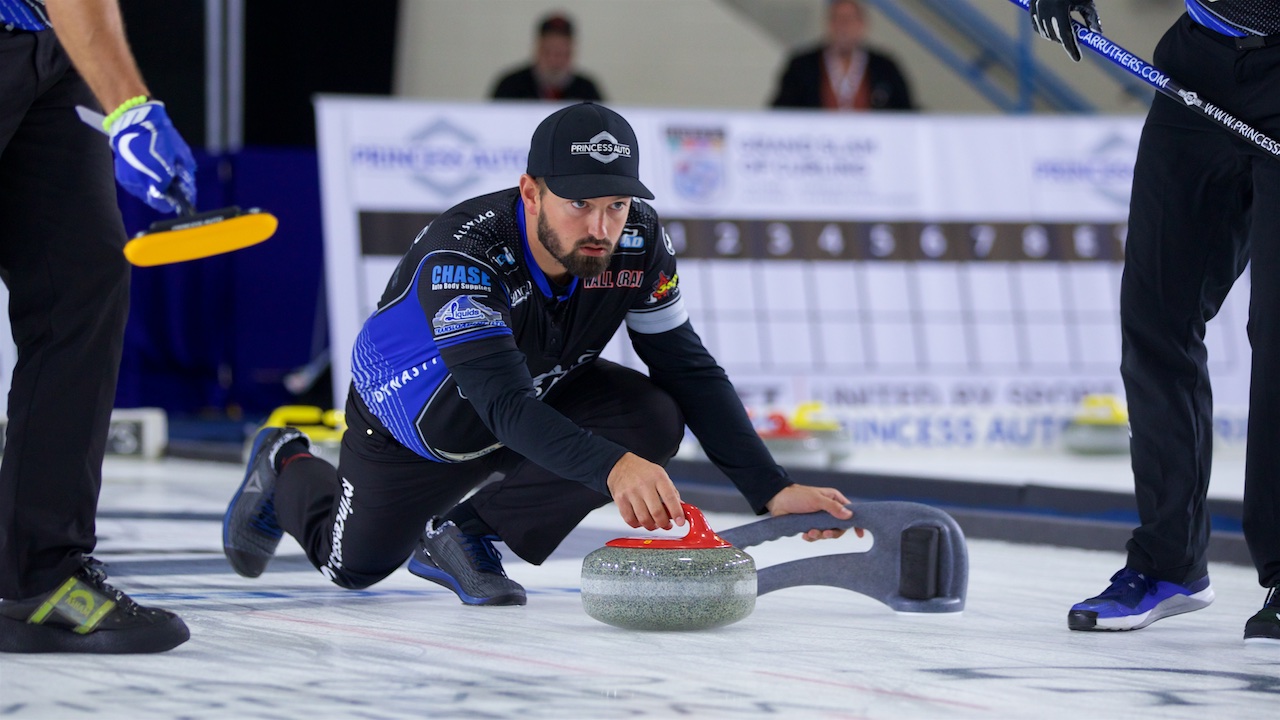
{"x":1262,"y":458}
{"x":61,"y":256}
{"x":360,"y":521}
{"x":1259,"y":69}
{"x":1187,"y":244}
{"x":533,"y":509}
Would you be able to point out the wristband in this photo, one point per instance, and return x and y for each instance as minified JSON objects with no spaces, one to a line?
{"x":125,"y":106}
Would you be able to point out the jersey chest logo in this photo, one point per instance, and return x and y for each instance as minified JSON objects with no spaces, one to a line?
{"x":611,"y":279}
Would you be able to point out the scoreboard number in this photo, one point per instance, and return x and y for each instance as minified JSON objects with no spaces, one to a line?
{"x":933,"y":242}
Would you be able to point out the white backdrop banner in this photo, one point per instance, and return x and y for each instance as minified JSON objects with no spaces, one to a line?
{"x":404,"y":155}
{"x":865,"y":260}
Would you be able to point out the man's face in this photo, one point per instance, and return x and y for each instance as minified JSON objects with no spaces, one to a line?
{"x":846,"y":28}
{"x":581,"y":234}
{"x":554,"y":55}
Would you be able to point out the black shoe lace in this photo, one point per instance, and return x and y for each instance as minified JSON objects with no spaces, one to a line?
{"x":94,"y":574}
{"x":483,"y":554}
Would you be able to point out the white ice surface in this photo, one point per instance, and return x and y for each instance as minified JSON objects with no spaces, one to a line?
{"x":290,"y":645}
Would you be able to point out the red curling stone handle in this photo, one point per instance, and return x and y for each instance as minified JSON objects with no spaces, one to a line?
{"x":699,"y":537}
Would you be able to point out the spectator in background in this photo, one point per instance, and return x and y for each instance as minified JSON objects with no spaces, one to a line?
{"x":841,"y":74}
{"x":552,"y":75}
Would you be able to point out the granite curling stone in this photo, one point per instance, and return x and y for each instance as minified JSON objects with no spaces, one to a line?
{"x":691,"y":583}
{"x":1100,"y":427}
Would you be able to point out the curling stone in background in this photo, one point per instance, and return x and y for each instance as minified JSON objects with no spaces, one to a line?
{"x":1099,"y":427}
{"x":813,"y":418}
{"x":691,"y":583}
{"x":323,"y":427}
{"x":790,"y":446}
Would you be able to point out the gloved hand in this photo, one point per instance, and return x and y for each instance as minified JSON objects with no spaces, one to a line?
{"x":1052,"y":19}
{"x":153,"y":162}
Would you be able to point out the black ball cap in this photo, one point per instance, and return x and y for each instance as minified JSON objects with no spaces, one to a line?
{"x":587,"y":151}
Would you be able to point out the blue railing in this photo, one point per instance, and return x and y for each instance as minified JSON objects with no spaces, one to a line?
{"x":996,"y":48}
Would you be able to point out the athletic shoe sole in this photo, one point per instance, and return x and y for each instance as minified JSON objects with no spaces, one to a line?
{"x":1275,"y":642}
{"x":1176,"y":605}
{"x":20,"y":637}
{"x":440,"y":577}
{"x":1263,"y":628}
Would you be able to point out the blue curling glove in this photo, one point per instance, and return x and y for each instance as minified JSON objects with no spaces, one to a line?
{"x":153,"y":162}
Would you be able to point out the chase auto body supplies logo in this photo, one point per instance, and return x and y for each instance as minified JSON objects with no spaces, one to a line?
{"x":603,"y":147}
{"x":1108,"y":169}
{"x":697,"y":162}
{"x":444,"y":157}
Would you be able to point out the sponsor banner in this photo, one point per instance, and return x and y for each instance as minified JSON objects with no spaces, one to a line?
{"x":404,"y":155}
{"x":1046,"y":169}
{"x":789,"y":165}
{"x":847,"y":392}
{"x":400,"y":155}
{"x":991,"y":429}
{"x":1081,"y":171}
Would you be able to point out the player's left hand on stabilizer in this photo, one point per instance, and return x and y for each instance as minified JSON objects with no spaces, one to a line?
{"x":153,"y":162}
{"x":796,"y":499}
{"x":1052,"y":19}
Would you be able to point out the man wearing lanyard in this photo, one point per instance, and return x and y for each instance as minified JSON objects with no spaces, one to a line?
{"x":552,"y":74}
{"x":842,"y":74}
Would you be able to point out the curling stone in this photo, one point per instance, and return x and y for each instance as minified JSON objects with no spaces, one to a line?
{"x":812,"y":417}
{"x":1100,"y":427}
{"x":691,"y":583}
{"x":790,"y":446}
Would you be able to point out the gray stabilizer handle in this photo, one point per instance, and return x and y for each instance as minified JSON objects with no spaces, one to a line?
{"x":918,"y":561}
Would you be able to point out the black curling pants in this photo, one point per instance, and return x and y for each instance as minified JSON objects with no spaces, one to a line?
{"x":1205,"y":203}
{"x":359,"y":522}
{"x":61,"y":240}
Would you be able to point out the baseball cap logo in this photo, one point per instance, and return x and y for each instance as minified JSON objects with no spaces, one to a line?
{"x":603,"y":147}
{"x":565,"y":140}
